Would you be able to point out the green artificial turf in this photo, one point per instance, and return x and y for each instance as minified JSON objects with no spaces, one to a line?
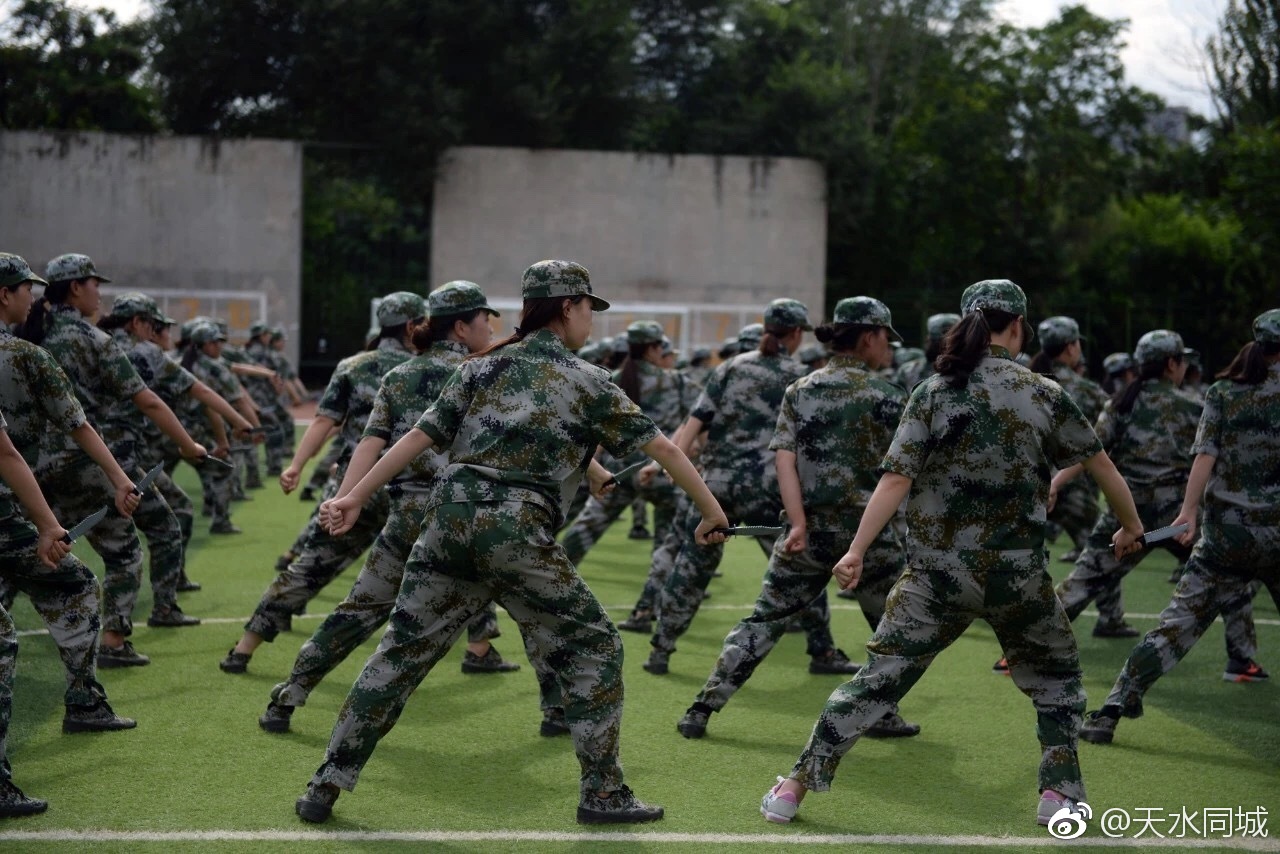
{"x":466,"y":755}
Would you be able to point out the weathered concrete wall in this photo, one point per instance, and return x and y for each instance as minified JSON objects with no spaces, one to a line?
{"x":719,"y":236}
{"x":208,"y":226}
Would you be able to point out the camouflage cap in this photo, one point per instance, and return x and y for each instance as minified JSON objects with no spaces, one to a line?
{"x":14,"y":271}
{"x":1158,"y":345}
{"x":400,"y":307}
{"x":938,"y":325}
{"x":999,"y":294}
{"x":134,"y":303}
{"x":645,"y":332}
{"x":618,"y":344}
{"x":1266,"y":327}
{"x":787,"y":314}
{"x":729,"y":347}
{"x":1058,"y":331}
{"x":906,"y":354}
{"x":866,"y":311}
{"x":750,"y":336}
{"x":1118,"y":363}
{"x":811,"y":353}
{"x":559,"y":279}
{"x":701,"y":353}
{"x":223,"y":326}
{"x":66,"y":268}
{"x":458,"y":297}
{"x":592,"y":351}
{"x":278,"y":333}
{"x":667,"y":347}
{"x":202,"y":332}
{"x":258,"y":329}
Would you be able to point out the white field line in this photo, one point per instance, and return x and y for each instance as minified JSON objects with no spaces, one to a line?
{"x":771,"y":839}
{"x":744,"y":609}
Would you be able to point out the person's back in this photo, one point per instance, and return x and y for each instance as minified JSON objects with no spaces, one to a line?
{"x":1240,"y":430}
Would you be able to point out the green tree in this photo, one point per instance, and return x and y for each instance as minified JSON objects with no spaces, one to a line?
{"x":66,"y":69}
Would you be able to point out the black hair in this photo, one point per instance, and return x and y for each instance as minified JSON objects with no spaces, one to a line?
{"x":397,"y":332}
{"x":966,"y":343}
{"x":438,"y":327}
{"x":1251,"y":364}
{"x":536,"y":313}
{"x":843,"y":337}
{"x":36,"y":326}
{"x":629,"y":373}
{"x":1042,"y":363}
{"x":1124,"y":399}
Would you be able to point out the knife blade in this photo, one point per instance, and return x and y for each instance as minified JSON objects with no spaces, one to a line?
{"x":83,"y":528}
{"x":1160,"y":534}
{"x":626,"y":473}
{"x":210,"y":458}
{"x":750,"y":531}
{"x":148,"y":478}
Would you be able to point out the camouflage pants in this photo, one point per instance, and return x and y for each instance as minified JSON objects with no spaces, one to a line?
{"x":666,"y":545}
{"x":791,"y":583}
{"x":639,"y":512}
{"x":277,"y":422}
{"x":694,"y":566}
{"x":467,"y":556}
{"x":180,"y":503}
{"x":66,"y":598}
{"x":372,"y":597}
{"x":248,"y":472}
{"x":1224,"y":562}
{"x":926,"y":612}
{"x":79,"y":491}
{"x":1076,"y":510}
{"x":1098,"y":571}
{"x":321,"y":559}
{"x":217,"y":483}
{"x":597,"y":516}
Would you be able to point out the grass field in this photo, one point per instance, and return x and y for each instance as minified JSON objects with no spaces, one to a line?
{"x":465,"y":768}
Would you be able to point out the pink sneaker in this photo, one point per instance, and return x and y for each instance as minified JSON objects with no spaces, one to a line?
{"x":777,"y":807}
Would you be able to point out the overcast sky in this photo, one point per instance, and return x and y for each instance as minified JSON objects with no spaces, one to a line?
{"x":1164,"y":39}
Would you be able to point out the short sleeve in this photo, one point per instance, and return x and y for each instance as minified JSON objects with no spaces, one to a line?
{"x":379,"y":425}
{"x":57,"y":401}
{"x":708,"y":403}
{"x":119,"y":378}
{"x":909,"y":450}
{"x":1209,"y":433}
{"x":784,"y":433}
{"x":336,"y":400}
{"x":1072,"y":440}
{"x":443,"y":419}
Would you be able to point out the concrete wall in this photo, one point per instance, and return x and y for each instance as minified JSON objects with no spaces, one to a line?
{"x":206,"y":226}
{"x":717,"y":237}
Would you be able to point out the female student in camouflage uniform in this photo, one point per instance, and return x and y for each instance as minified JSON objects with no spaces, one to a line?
{"x":458,"y":325}
{"x":520,"y":422}
{"x":913,"y":372}
{"x":201,"y":356}
{"x":833,"y":429}
{"x":1237,"y":452}
{"x":103,"y":379}
{"x":347,"y":402}
{"x":664,"y":397}
{"x":739,"y":409}
{"x":1076,"y":509}
{"x":973,"y":452}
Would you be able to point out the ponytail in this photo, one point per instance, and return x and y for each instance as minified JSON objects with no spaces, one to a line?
{"x":843,"y":337}
{"x":36,"y":326}
{"x":1125,"y":398}
{"x":1251,"y":364}
{"x":536,"y":313}
{"x":968,"y":342}
{"x":629,"y":373}
{"x":1043,"y":361}
{"x":190,"y":353}
{"x":438,"y":327}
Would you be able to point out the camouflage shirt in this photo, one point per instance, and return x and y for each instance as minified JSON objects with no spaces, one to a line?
{"x":1087,"y":394}
{"x":912,"y":373}
{"x":1151,"y":446}
{"x":740,"y":404}
{"x":348,"y":399}
{"x":122,"y":421}
{"x":696,"y":377}
{"x":98,"y":368}
{"x":42,"y":404}
{"x":522,"y":423}
{"x":838,"y":421}
{"x":406,"y":391}
{"x":1241,"y":427}
{"x":980,"y":459}
{"x":216,"y":375}
{"x":665,"y":396}
{"x":261,"y":390}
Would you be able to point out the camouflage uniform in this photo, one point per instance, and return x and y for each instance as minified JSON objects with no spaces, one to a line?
{"x":913,"y":371}
{"x":740,"y":406}
{"x":666,"y":399}
{"x":103,"y":380}
{"x":838,"y":421}
{"x":65,"y":597}
{"x":348,"y":400}
{"x":405,"y":392}
{"x":272,"y":414}
{"x":1150,"y":447}
{"x":1240,"y":524}
{"x":520,"y":426}
{"x":695,"y":376}
{"x":979,"y":459}
{"x":284,"y":368}
{"x":216,"y":480}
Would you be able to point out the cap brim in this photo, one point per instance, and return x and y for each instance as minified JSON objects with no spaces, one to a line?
{"x":1029,"y":331}
{"x":492,"y":311}
{"x":893,"y":333}
{"x":101,"y":278}
{"x":598,"y":304}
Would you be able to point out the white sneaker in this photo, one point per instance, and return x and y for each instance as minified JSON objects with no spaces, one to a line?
{"x":779,"y":808}
{"x":1050,"y":803}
